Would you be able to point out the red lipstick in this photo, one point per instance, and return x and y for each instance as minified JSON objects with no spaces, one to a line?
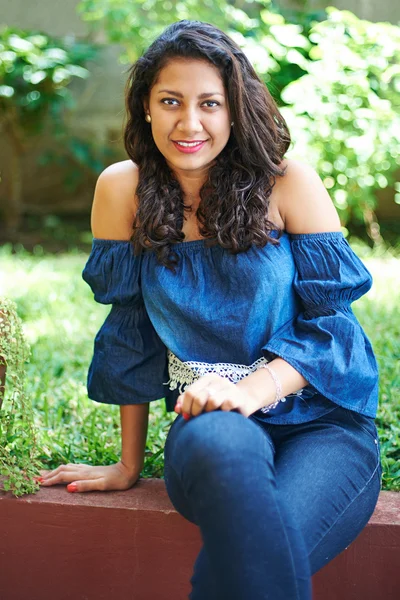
{"x":194,"y":146}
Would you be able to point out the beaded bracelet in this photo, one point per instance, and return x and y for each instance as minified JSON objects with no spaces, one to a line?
{"x":278,"y":386}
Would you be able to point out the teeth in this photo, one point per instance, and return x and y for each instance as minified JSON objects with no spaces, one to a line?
{"x":188,"y":144}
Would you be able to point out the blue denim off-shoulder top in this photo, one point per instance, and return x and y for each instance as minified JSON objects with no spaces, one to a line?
{"x":230,"y":314}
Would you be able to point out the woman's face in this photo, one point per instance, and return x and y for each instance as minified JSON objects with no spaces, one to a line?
{"x":190,"y":119}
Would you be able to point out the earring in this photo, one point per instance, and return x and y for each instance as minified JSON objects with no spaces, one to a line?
{"x":232,"y":124}
{"x":148,"y":118}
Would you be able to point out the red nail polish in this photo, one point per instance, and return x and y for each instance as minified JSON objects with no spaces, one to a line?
{"x":72,"y":487}
{"x":39,"y":479}
{"x":186,"y":416}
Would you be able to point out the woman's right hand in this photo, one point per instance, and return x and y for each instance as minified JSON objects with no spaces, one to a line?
{"x":84,"y":478}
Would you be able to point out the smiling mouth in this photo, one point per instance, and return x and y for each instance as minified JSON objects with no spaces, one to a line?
{"x":186,"y":147}
{"x":189,"y":144}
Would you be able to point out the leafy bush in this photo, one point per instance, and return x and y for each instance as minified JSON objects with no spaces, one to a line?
{"x":344,"y":112}
{"x":135,"y":23}
{"x":18,"y":449}
{"x":335,"y":77}
{"x":35,"y":72}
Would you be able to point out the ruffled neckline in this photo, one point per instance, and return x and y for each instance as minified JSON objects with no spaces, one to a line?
{"x":194,"y":244}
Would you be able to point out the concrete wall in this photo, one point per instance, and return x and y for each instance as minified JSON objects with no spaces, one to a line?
{"x":100,"y":99}
{"x":133,"y":545}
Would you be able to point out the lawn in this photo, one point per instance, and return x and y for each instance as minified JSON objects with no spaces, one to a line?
{"x":61,"y":319}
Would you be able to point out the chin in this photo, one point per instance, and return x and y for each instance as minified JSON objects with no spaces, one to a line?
{"x":188,"y":163}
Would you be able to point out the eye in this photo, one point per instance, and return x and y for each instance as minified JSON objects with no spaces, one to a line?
{"x":214,"y":102}
{"x":169,"y":101}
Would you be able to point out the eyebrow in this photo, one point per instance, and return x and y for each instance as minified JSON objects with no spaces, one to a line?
{"x":200,"y":97}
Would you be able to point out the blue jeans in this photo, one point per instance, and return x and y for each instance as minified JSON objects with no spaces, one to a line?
{"x":274,"y":503}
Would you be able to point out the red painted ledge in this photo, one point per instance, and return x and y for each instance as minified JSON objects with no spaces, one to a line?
{"x":133,"y":545}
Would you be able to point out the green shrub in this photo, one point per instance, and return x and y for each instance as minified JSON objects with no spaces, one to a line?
{"x":18,"y":448}
{"x":335,"y":77}
{"x":344,"y":113}
{"x":35,"y":72}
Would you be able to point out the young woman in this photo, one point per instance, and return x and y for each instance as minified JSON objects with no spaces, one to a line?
{"x":230,"y":284}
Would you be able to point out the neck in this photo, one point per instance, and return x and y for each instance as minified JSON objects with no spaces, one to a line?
{"x":191,"y":184}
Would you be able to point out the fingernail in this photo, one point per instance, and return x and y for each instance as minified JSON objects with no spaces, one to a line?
{"x":186,"y":416}
{"x":72,"y":487}
{"x":39,"y":479}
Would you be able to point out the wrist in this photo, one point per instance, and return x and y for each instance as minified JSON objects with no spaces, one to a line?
{"x":259,"y":391}
{"x":132,"y":470}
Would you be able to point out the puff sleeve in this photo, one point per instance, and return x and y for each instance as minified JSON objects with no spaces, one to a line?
{"x":129,"y":360}
{"x":325,"y":342}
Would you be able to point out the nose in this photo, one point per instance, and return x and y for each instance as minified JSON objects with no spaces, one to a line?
{"x":190,"y":122}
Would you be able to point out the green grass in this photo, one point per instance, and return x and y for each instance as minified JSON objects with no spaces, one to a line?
{"x":61,"y":319}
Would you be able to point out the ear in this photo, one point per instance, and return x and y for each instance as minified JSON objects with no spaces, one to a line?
{"x":146,"y":105}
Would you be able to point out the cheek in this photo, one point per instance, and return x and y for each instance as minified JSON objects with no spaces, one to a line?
{"x":161,"y":134}
{"x":222,"y":133}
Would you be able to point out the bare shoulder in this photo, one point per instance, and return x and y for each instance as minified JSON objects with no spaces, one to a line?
{"x":303,"y":201}
{"x":115,"y":204}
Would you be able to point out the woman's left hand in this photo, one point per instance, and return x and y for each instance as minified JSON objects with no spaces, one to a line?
{"x":212,"y":392}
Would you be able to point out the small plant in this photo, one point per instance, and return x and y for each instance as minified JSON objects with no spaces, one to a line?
{"x":18,"y":451}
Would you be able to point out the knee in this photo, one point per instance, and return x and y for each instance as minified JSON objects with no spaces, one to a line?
{"x":216,"y":438}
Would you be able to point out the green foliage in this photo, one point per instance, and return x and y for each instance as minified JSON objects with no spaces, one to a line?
{"x":136,"y":23}
{"x":35,"y":71}
{"x":379,"y":312}
{"x":35,"y":76}
{"x":61,"y":320}
{"x":335,"y":77}
{"x":337,"y":81}
{"x":18,"y":450}
{"x":344,"y":113}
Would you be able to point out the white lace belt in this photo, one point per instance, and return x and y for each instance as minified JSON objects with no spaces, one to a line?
{"x":183,"y":374}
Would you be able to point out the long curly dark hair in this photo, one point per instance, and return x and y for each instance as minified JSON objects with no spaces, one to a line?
{"x":234,"y":201}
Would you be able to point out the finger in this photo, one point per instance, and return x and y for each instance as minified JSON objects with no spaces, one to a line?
{"x":229,"y":404}
{"x":87,"y":485}
{"x":69,"y":468}
{"x":45,"y":472}
{"x":214,"y":402}
{"x":199,"y":385}
{"x":216,"y":395}
{"x":194,"y":398}
{"x":55,"y":480}
{"x":185,"y":402}
{"x":60,"y":469}
{"x":194,"y":402}
{"x":204,"y":381}
{"x":66,"y":476}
